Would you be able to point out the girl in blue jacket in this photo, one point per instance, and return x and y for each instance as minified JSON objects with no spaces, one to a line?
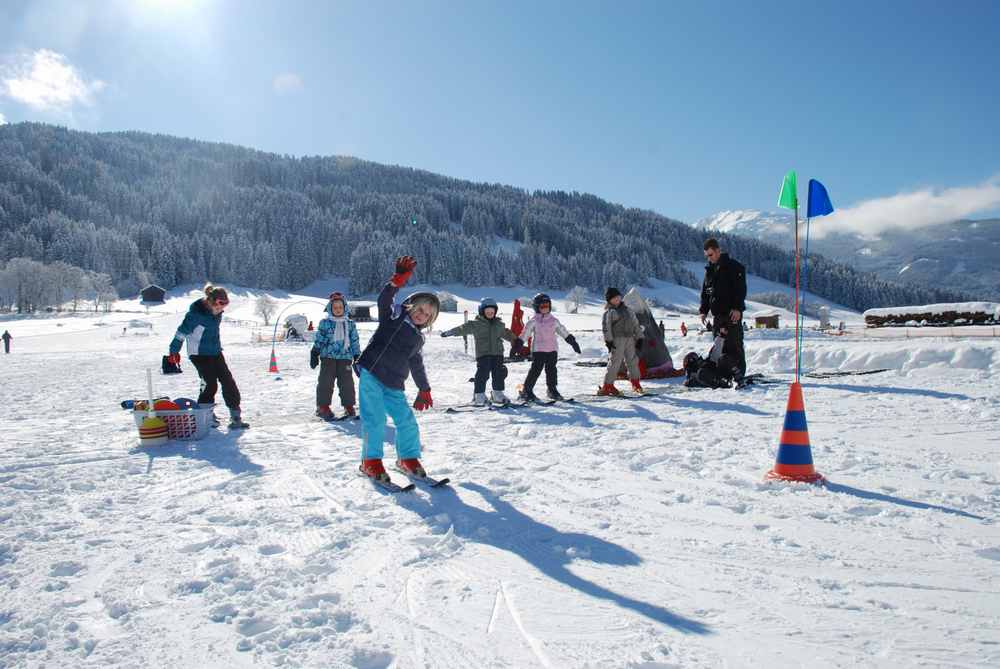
{"x":200,"y":330}
{"x":392,"y":354}
{"x":335,"y":348}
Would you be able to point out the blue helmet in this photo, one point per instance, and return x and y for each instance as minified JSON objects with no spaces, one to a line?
{"x":488,"y":302}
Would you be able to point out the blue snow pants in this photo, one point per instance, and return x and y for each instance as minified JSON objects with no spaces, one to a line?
{"x":376,"y":401}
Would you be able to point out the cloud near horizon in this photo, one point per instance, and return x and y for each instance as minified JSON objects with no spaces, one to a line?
{"x":287,"y":82}
{"x":46,"y":81}
{"x":913,"y":210}
{"x":3,"y":119}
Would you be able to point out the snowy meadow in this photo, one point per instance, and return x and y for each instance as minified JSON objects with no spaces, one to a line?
{"x":623,"y":533}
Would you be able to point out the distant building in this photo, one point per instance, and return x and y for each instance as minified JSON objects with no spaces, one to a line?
{"x":361,"y":312}
{"x":151,"y":295}
{"x":448,"y":302}
{"x":767,"y":319}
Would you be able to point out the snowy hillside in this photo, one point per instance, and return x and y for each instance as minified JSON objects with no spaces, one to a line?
{"x":623,"y":533}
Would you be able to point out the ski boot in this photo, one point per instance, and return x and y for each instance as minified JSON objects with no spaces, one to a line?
{"x":527,"y":395}
{"x":412,"y":466}
{"x":637,"y":387}
{"x":498,"y":397}
{"x":213,"y":419}
{"x":349,"y":410}
{"x":235,"y":421}
{"x":323,"y":411}
{"x":373,"y":469}
{"x":609,"y":390}
{"x":479,"y":399}
{"x":554,"y":395}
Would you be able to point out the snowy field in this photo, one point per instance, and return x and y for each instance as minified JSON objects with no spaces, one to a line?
{"x":626,"y":533}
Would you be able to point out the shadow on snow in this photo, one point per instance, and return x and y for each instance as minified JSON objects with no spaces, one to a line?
{"x":881,"y":497}
{"x":513,"y":531}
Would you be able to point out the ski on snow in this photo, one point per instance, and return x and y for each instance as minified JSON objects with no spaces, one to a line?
{"x":429,"y":481}
{"x":388,"y":486}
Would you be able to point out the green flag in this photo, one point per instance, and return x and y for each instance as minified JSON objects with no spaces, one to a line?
{"x":789,"y":197}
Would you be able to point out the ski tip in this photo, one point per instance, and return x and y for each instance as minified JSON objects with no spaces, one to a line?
{"x":440,"y":483}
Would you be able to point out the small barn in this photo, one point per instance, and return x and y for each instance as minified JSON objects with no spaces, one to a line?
{"x":151,"y":295}
{"x":767,"y":319}
{"x":361,"y":311}
{"x":448,"y":302}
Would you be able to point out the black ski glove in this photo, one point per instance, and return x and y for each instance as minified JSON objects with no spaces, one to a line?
{"x":571,"y":340}
{"x":313,"y":358}
{"x":517,"y":345}
{"x":610,"y":345}
{"x":638,"y":344}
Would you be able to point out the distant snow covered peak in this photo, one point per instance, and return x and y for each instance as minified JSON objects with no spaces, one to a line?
{"x":749,"y":222}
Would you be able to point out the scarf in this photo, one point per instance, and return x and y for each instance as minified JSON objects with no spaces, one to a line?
{"x":339,"y":330}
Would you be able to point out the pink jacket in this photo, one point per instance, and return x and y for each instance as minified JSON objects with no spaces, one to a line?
{"x":544,"y":328}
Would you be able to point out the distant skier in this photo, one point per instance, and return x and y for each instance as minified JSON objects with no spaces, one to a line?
{"x":200,"y":329}
{"x":488,"y":331}
{"x":336,"y":346}
{"x":392,"y":354}
{"x":542,"y":330}
{"x":622,"y":336}
{"x":6,"y":341}
{"x":723,"y":296}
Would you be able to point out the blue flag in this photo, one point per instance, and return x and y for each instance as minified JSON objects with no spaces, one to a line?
{"x":819,"y":201}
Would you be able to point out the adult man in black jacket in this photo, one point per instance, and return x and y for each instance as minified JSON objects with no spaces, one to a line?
{"x":723,"y":295}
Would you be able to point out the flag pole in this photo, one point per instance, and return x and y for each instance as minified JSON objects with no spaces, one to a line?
{"x":797,"y":292}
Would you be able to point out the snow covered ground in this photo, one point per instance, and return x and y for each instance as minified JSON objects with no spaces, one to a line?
{"x":627,"y":533}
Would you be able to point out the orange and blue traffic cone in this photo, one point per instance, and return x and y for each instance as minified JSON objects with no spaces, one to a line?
{"x":794,"y":461}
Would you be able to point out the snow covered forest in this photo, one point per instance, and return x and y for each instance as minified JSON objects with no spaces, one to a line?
{"x":126,"y":209}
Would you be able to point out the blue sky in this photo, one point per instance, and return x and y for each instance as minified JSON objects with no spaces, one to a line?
{"x":683,"y":108}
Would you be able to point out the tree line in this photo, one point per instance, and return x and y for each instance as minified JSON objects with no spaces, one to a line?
{"x":143,"y":208}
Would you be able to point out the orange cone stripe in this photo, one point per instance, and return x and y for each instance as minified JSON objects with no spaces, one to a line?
{"x":793,"y":470}
{"x":794,"y":438}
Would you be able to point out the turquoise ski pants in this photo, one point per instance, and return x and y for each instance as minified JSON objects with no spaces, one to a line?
{"x":376,"y":402}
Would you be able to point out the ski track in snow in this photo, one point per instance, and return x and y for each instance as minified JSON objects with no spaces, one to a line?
{"x":614,"y":534}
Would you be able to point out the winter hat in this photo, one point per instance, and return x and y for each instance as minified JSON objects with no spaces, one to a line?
{"x":692,"y":361}
{"x":216,"y":294}
{"x":487,"y":302}
{"x":541,"y":299}
{"x":611,"y":292}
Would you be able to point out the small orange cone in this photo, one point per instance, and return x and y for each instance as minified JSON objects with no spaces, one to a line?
{"x":273,"y":369}
{"x":794,"y":461}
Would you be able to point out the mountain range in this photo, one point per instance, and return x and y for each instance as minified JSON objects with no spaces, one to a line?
{"x":963,"y":256}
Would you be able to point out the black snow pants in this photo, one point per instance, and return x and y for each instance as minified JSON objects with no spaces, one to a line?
{"x":486,"y":366}
{"x":213,"y":371}
{"x":542,"y":360}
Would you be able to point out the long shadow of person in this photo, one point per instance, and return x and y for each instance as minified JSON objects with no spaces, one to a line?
{"x":508,"y":529}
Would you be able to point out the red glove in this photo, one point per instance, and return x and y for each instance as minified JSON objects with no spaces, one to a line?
{"x":174,"y":358}
{"x":404,"y":269}
{"x":423,"y":400}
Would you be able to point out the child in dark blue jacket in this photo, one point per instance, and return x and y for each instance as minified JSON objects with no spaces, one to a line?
{"x":392,"y":354}
{"x":200,"y":330}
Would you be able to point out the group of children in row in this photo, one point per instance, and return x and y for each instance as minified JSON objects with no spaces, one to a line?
{"x":394,"y":353}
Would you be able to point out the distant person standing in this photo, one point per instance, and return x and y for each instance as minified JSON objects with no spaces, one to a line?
{"x":622,"y":336}
{"x":723,"y":296}
{"x":6,"y":341}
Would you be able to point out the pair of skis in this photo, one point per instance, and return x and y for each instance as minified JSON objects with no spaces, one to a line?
{"x":392,"y":487}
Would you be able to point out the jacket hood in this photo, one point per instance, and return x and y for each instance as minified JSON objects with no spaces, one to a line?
{"x":329,"y":309}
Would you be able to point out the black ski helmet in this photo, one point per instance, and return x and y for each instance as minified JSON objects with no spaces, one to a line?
{"x":691,"y":360}
{"x":539,"y":300}
{"x":488,"y":302}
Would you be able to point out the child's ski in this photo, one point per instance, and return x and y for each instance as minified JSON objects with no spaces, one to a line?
{"x":467,"y":408}
{"x":388,"y":486}
{"x":429,"y":481}
{"x":346,"y":416}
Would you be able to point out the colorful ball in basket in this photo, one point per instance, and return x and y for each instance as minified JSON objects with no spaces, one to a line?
{"x":165,"y":405}
{"x":153,"y":431}
{"x":186,"y":403}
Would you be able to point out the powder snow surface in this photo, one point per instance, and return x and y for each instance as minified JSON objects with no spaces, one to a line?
{"x":626,"y":533}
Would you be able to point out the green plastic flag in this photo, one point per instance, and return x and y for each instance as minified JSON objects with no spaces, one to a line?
{"x":789,"y":197}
